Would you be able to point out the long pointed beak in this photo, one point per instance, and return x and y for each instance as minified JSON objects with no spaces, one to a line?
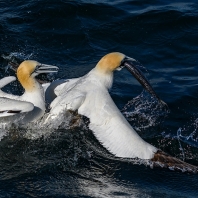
{"x":136,"y":72}
{"x":42,"y":68}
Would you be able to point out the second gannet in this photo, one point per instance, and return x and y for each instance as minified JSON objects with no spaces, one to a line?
{"x":30,"y":105}
{"x":89,"y":96}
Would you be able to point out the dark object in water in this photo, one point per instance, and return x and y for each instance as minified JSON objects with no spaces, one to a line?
{"x":163,"y":160}
{"x":11,"y":61}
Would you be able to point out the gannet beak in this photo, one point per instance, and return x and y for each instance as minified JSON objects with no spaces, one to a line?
{"x":136,"y":72}
{"x":42,"y":68}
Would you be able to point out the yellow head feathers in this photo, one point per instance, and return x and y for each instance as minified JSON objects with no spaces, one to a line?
{"x":26,"y":68}
{"x":110,"y":62}
{"x":24,"y":71}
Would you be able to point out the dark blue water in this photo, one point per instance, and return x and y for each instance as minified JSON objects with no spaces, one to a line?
{"x":163,"y":37}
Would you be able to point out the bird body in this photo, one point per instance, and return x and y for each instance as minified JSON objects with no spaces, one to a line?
{"x":89,"y":96}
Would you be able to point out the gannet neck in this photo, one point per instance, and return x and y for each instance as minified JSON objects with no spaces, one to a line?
{"x":29,"y":84}
{"x":103,"y":79}
{"x":110,"y":62}
{"x":37,"y":98}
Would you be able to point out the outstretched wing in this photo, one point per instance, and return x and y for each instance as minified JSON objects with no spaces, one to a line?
{"x":116,"y":134}
{"x":9,"y":107}
{"x":112,"y":129}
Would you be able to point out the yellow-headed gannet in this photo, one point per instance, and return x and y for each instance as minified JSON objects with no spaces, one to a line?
{"x":90,"y":97}
{"x":32,"y":101}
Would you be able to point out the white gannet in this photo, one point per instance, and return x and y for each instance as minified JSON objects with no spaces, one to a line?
{"x":90,"y":97}
{"x":32,"y":101}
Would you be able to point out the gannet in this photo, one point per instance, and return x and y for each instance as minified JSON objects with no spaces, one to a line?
{"x":89,"y":96}
{"x":32,"y":102}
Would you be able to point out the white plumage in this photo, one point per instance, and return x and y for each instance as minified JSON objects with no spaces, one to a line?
{"x":11,"y":107}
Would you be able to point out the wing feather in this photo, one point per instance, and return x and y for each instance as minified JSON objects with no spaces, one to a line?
{"x":54,"y":89}
{"x":10,"y":107}
{"x":112,"y":129}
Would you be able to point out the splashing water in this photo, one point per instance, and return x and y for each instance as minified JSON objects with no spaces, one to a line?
{"x":17,"y":55}
{"x":144,"y":111}
{"x":180,"y":146}
{"x":191,"y":139}
{"x":14,"y":57}
{"x":38,"y":129}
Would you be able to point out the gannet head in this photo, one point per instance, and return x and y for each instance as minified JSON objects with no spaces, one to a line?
{"x":110,"y":62}
{"x":28,"y":69}
{"x":116,"y":61}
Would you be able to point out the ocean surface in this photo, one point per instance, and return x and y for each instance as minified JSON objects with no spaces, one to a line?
{"x":163,"y":37}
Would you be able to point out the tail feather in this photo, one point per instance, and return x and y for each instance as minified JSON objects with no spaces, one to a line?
{"x":163,"y":160}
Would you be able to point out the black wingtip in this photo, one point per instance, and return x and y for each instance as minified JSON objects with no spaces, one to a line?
{"x":11,"y":111}
{"x":163,"y":160}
